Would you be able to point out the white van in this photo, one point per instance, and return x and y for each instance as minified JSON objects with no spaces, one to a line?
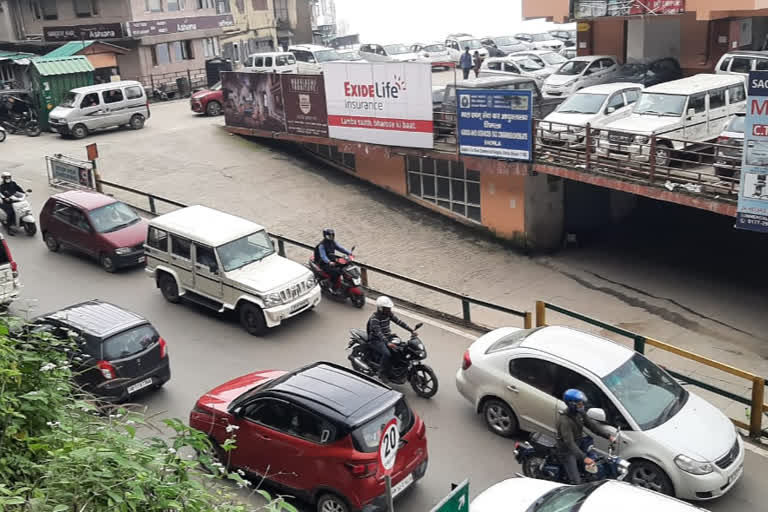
{"x":271,"y":62}
{"x":310,"y":57}
{"x":691,"y":109}
{"x":96,"y":107}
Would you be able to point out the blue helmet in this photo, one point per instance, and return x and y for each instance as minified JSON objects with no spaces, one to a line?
{"x":572,"y":397}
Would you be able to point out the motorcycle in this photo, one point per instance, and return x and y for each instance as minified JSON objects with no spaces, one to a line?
{"x":24,"y":217}
{"x":350,"y":279}
{"x":21,"y":123}
{"x":406,"y":361}
{"x":539,"y":459}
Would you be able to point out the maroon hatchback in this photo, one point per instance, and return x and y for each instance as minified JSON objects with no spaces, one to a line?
{"x":96,"y":225}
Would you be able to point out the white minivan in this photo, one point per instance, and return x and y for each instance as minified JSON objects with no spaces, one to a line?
{"x":96,"y":107}
{"x":272,"y":62}
{"x":691,"y":109}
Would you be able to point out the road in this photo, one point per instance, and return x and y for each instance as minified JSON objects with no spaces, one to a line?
{"x":207,"y":349}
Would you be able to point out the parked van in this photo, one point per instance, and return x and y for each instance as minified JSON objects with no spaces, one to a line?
{"x":310,"y":57}
{"x":741,"y":63}
{"x":96,"y":107}
{"x":272,"y":62}
{"x":691,"y":109}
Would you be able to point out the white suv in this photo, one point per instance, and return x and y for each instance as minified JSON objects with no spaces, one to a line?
{"x":225,"y":263}
{"x":311,"y":57}
{"x":456,"y":45}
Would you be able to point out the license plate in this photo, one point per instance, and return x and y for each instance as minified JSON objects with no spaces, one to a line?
{"x":299,"y":305}
{"x":736,"y":475}
{"x":402,"y":485}
{"x":140,"y":385}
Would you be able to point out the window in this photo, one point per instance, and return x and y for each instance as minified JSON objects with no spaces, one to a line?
{"x":741,"y":65}
{"x":267,"y":62}
{"x":736,"y":94}
{"x":569,"y":379}
{"x":244,"y":251}
{"x":112,"y":96}
{"x":446,"y":184}
{"x":535,"y":372}
{"x":180,"y":247}
{"x":86,"y":8}
{"x":113,"y":217}
{"x":130,"y":342}
{"x":258,"y":62}
{"x":133,"y":92}
{"x":161,"y":54}
{"x":157,"y":239}
{"x":308,"y":426}
{"x":725,"y":64}
{"x":205,"y":4}
{"x":181,"y":50}
{"x":34,"y":8}
{"x":284,"y":60}
{"x":281,"y":10}
{"x":49,"y":9}
{"x":211,"y":47}
{"x":697,"y":103}
{"x":302,"y":56}
{"x":631,"y":95}
{"x":205,"y":256}
{"x":90,"y":100}
{"x":270,"y":413}
{"x":616,"y":101}
{"x":367,"y":436}
{"x":496,"y":66}
{"x":259,"y":5}
{"x":71,"y":215}
{"x":222,"y":7}
{"x":175,"y":5}
{"x":511,"y":68}
{"x":761,"y":65}
{"x":716,"y":99}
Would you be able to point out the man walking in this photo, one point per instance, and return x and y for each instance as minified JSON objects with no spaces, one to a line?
{"x":465,"y":63}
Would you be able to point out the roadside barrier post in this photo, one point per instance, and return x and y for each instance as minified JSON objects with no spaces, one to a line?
{"x":152,"y":206}
{"x":281,"y":248}
{"x":528,"y":320}
{"x":756,"y":414}
{"x":640,"y":344}
{"x":541,"y":313}
{"x":465,"y":310}
{"x":364,"y":276}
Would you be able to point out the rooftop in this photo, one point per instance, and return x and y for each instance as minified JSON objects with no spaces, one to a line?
{"x":86,"y":199}
{"x":97,"y":318}
{"x":610,"y":88}
{"x":697,"y":83}
{"x":206,"y":225}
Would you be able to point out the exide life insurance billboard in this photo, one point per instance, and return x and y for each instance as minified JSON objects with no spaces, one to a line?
{"x":381,"y":103}
{"x":752,"y":212}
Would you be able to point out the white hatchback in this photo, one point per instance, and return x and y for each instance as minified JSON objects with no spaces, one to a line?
{"x":677,"y":443}
{"x":580,"y":72}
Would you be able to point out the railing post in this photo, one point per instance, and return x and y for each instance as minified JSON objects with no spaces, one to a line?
{"x":281,"y":247}
{"x":541,"y":313}
{"x":756,"y":414}
{"x":465,"y":310}
{"x":528,"y":320}
{"x":652,"y":157}
{"x":152,"y":207}
{"x":588,"y":147}
{"x":535,"y":126}
{"x":640,"y":344}
{"x":364,"y":276}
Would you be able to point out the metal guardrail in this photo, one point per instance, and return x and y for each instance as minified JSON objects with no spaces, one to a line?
{"x":466,"y":301}
{"x":756,"y":404}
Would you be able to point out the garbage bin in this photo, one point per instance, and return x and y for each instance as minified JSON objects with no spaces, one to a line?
{"x":182,"y":86}
{"x":215,"y":66}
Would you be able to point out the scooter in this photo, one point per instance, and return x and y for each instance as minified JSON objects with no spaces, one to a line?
{"x":351,"y":280}
{"x":24,"y":217}
{"x":406,"y":361}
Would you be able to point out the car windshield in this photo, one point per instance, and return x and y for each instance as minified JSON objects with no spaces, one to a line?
{"x":541,"y":37}
{"x":660,"y":104}
{"x":434,"y":48}
{"x":582,"y":103}
{"x":327,"y":55}
{"x":474,"y":44}
{"x":112,"y":217}
{"x":130,"y":342}
{"x":526,"y":64}
{"x":243,"y":251}
{"x":552,"y":59}
{"x":736,"y":124}
{"x":215,"y":87}
{"x":568,"y":498}
{"x":366,"y":436}
{"x":573,"y":67}
{"x":633,"y":69}
{"x":69,"y":100}
{"x":506,"y":41}
{"x":396,"y":49}
{"x":648,"y":394}
{"x":351,"y":55}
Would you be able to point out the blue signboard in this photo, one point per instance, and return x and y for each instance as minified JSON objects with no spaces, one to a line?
{"x":752,"y":211}
{"x":495,"y":123}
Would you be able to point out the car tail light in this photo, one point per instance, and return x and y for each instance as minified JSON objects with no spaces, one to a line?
{"x":107,"y":370}
{"x":163,"y":348}
{"x":421,"y":432}
{"x":14,"y":265}
{"x":723,"y":140}
{"x":467,"y":362}
{"x":362,"y":469}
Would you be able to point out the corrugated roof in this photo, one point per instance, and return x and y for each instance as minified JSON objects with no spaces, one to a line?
{"x":69,"y":49}
{"x":10,"y":55}
{"x":48,"y":66}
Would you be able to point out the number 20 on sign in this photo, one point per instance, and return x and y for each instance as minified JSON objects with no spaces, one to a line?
{"x":388,"y":445}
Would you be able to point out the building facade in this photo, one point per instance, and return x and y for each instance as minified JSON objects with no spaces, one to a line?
{"x":323,"y":21}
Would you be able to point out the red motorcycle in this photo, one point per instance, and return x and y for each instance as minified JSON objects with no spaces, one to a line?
{"x":351,"y":280}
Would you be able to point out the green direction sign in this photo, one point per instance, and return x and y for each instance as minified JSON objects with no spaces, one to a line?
{"x":456,"y":501}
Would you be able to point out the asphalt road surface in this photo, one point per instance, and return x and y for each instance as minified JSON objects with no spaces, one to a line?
{"x":207,"y":349}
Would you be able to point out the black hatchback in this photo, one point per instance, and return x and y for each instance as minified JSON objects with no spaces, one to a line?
{"x":119,"y":352}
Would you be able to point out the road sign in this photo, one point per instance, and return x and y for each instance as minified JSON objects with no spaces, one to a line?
{"x":456,"y":501}
{"x":388,"y":445}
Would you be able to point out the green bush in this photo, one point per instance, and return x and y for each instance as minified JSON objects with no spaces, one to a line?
{"x":59,"y":452}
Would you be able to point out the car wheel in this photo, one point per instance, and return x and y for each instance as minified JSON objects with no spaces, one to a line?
{"x":500,"y":418}
{"x":643,"y":473}
{"x":51,"y":243}
{"x":107,"y":262}
{"x":30,"y":228}
{"x":331,"y":503}
{"x":213,"y":108}
{"x":137,"y":122}
{"x":79,"y":131}
{"x":252,"y":319}
{"x":168,"y":288}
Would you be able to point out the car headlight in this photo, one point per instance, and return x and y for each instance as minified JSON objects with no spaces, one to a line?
{"x":310,"y":283}
{"x":122,"y":250}
{"x":693,"y":466}
{"x":642,"y":139}
{"x":272,"y":300}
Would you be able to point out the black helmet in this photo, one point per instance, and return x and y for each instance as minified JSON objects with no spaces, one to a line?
{"x":329,"y":234}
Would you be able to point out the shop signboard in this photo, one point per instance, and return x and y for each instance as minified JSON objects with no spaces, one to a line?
{"x":69,"y":172}
{"x":304,"y":100}
{"x":495,"y":123}
{"x":84,"y":32}
{"x":381,"y":103}
{"x":752,"y":211}
{"x":176,"y":25}
{"x":584,"y":9}
{"x":253,"y":100}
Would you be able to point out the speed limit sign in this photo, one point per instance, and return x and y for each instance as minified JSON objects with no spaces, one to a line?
{"x":388,"y":444}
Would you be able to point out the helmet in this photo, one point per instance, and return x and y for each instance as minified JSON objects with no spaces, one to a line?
{"x":6,"y":176}
{"x":384,"y":303}
{"x":572,"y":399}
{"x":329,"y":234}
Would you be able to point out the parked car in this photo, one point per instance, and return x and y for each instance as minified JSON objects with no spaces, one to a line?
{"x":731,"y":147}
{"x":596,"y":105}
{"x":741,"y":62}
{"x":9,"y":275}
{"x":649,"y":71}
{"x":677,"y":443}
{"x":568,"y":37}
{"x":457,"y":43}
{"x":435,"y":53}
{"x":580,"y":72}
{"x":350,"y":55}
{"x":227,"y":263}
{"x":96,"y":107}
{"x":315,"y":431}
{"x":387,"y":53}
{"x":117,"y":353}
{"x":271,"y":62}
{"x":311,"y":57}
{"x":96,"y":225}
{"x":515,"y":65}
{"x":504,"y":45}
{"x":542,"y":41}
{"x":568,"y":52}
{"x":208,"y":101}
{"x":530,"y":495}
{"x":550,"y":60}
{"x":691,"y":109}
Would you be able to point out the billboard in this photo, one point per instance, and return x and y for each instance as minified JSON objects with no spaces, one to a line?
{"x":752,"y":211}
{"x":253,"y":100}
{"x":386,"y":103}
{"x":584,"y":9}
{"x":304,"y":101}
{"x":495,"y":123}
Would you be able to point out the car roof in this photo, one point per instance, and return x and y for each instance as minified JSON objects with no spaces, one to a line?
{"x":696,"y":83}
{"x":489,"y":81}
{"x":205,"y":225}
{"x":309,"y":47}
{"x":752,"y":53}
{"x":632,"y":498}
{"x":97,"y":318}
{"x":107,"y":85}
{"x":257,"y":54}
{"x":336,"y":391}
{"x":85,"y":199}
{"x":593,"y":57}
{"x":593,"y":353}
{"x":610,"y":88}
{"x":465,"y":38}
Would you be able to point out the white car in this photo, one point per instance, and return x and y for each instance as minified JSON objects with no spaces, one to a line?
{"x":515,"y":65}
{"x":550,"y":60}
{"x":311,"y":57}
{"x":677,"y":443}
{"x":530,"y":495}
{"x":457,"y":45}
{"x":596,"y":105}
{"x":434,"y":53}
{"x":387,"y":53}
{"x":543,"y":41}
{"x":580,"y":72}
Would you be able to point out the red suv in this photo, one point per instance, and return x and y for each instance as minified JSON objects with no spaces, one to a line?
{"x":208,"y":101}
{"x":314,"y":431}
{"x":96,"y":225}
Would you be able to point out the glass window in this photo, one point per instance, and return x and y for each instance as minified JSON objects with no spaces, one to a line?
{"x":78,"y":220}
{"x":205,"y":4}
{"x":205,"y":256}
{"x":86,"y":8}
{"x":63,"y":212}
{"x":582,"y":103}
{"x":572,"y":68}
{"x":49,"y":9}
{"x":569,"y":379}
{"x":133,"y":92}
{"x":258,"y":62}
{"x":366,"y":437}
{"x":496,"y":66}
{"x":453,"y":188}
{"x":157,"y":239}
{"x":565,"y":498}
{"x":222,"y":7}
{"x":161,"y":54}
{"x":175,"y":5}
{"x":284,"y":60}
{"x":267,"y":62}
{"x":90,"y":100}
{"x":662,"y":104}
{"x":130,"y":342}
{"x":473,"y":193}
{"x":716,"y":99}
{"x":511,"y":68}
{"x":306,"y":425}
{"x":535,"y":372}
{"x":631,"y":95}
{"x":182,"y":50}
{"x":153,"y":5}
{"x":181,"y":247}
{"x":211,"y":47}
{"x":725,"y":64}
{"x":274,"y":414}
{"x":616,"y":101}
{"x":697,"y":103}
{"x":112,"y":217}
{"x":112,"y":96}
{"x":741,"y":65}
{"x":761,"y":65}
{"x":443,"y":188}
{"x":245,"y":250}
{"x":736,"y":93}
{"x":736,"y":124}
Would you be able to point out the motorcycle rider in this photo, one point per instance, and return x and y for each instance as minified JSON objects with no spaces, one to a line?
{"x":570,"y":430}
{"x":8,"y":188}
{"x":325,"y":254}
{"x":380,"y":334}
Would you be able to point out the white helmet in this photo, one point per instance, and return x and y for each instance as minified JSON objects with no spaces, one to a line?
{"x":384,"y":302}
{"x":6,"y":175}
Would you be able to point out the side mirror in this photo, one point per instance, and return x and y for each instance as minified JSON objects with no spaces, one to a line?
{"x":237,"y":412}
{"x":610,"y":110}
{"x":214,"y":269}
{"x":691,"y":112}
{"x":596,"y":414}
